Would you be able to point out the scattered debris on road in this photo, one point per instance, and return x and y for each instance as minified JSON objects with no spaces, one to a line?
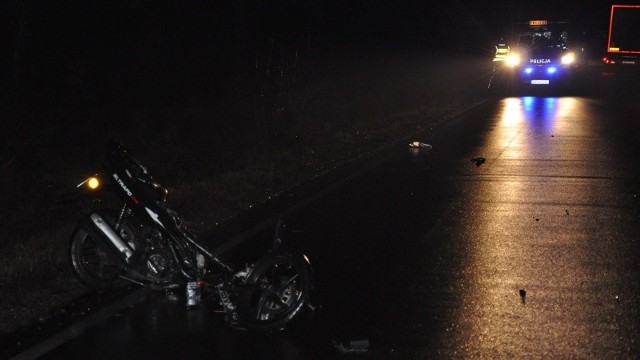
{"x":478,"y":161}
{"x":420,"y":145}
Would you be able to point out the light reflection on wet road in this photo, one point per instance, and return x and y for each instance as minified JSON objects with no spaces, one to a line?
{"x":425,"y":256}
{"x":548,"y":213}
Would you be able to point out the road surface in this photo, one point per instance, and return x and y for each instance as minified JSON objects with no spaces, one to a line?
{"x":516,"y":235}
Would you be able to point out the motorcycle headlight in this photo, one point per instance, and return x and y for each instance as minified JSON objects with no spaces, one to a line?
{"x":568,"y":59}
{"x":513,"y":60}
{"x":92,"y":183}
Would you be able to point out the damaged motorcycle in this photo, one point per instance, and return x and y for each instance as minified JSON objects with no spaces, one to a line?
{"x":145,"y":242}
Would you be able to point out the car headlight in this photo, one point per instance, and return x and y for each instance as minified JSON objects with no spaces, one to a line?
{"x":568,"y":59}
{"x":513,"y":60}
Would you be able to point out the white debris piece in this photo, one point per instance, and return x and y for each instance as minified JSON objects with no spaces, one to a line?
{"x":420,"y":145}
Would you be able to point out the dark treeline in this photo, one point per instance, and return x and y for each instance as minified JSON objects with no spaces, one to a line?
{"x":234,"y":67}
{"x":146,"y":50}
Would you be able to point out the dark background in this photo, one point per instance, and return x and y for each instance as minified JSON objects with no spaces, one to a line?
{"x":183,"y":76}
{"x":131,"y":51}
{"x":226,"y":102}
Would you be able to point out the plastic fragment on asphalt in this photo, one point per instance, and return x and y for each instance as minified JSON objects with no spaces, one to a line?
{"x":523,"y":295}
{"x":354,"y":346}
{"x":478,"y":161}
{"x":420,"y":145}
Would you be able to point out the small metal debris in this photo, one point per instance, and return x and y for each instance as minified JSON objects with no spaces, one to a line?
{"x":478,"y":161}
{"x":354,"y":346}
{"x":420,"y":145}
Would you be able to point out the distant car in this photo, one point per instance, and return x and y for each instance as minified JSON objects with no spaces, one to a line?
{"x":541,"y":57}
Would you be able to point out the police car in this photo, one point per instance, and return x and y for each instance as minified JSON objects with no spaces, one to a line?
{"x":542,"y":56}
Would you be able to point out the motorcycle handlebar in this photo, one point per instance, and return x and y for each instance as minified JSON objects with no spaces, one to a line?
{"x":121,"y":159}
{"x":118,"y":150}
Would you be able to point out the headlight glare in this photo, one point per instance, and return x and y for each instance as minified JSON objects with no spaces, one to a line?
{"x":568,"y":59}
{"x":513,"y":60}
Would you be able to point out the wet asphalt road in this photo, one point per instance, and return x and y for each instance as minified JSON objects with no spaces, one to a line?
{"x":530,"y":250}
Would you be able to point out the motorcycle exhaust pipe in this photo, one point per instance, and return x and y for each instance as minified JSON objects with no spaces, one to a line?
{"x":111,"y":235}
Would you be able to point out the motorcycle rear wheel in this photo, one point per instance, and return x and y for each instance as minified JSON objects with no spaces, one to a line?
{"x":284,"y":288}
{"x":93,"y":264}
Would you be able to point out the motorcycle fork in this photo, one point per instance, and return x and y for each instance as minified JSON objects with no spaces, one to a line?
{"x":227,"y":267}
{"x":184,"y":259}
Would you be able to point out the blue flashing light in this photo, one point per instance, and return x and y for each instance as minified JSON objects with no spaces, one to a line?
{"x":552,"y":70}
{"x":528,"y":70}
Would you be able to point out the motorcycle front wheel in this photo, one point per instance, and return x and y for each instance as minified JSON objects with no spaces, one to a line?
{"x":92,"y":263}
{"x":283,"y":288}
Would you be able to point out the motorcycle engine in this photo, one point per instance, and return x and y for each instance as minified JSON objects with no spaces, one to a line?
{"x":157,"y":264}
{"x":155,"y":259}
